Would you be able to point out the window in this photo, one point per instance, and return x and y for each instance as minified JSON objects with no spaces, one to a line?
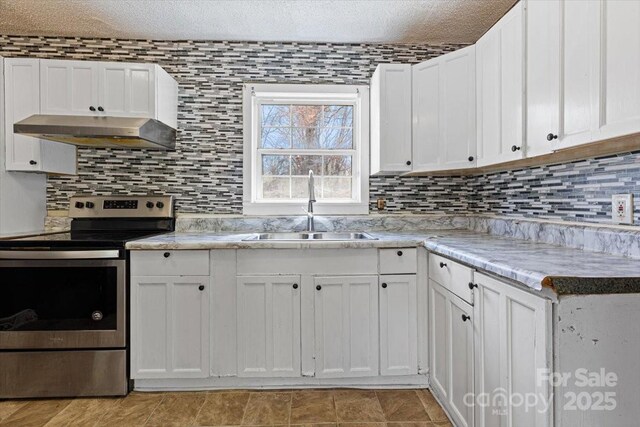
{"x":293,"y":129}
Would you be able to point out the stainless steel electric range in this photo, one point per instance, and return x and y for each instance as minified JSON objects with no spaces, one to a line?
{"x":64,"y":300}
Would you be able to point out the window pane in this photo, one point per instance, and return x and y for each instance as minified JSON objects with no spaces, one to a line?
{"x":275,"y":165}
{"x":276,"y":138}
{"x":301,"y":165}
{"x":275,"y":115}
{"x":275,"y":187}
{"x":337,"y":166}
{"x":300,"y":187}
{"x":305,"y":138}
{"x":338,"y":116}
{"x":336,"y":188}
{"x":336,"y":138}
{"x":307,"y":116}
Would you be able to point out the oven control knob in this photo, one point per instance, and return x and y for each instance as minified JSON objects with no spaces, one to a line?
{"x":149,"y":205}
{"x":159,"y":205}
{"x":96,"y":315}
{"x":79,"y":205}
{"x":90,"y":205}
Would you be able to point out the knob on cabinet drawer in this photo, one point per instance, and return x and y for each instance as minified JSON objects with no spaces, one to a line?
{"x":551,"y":137}
{"x":408,"y":162}
{"x":399,"y":253}
{"x":167,"y":254}
{"x":201,"y":287}
{"x":472,"y":285}
{"x":443,"y":265}
{"x":295,"y":286}
{"x":33,"y":162}
{"x":465,"y":317}
{"x":515,"y":148}
{"x":384,"y":285}
{"x":318,"y":287}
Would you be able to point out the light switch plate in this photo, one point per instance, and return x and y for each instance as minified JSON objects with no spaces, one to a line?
{"x":622,"y":208}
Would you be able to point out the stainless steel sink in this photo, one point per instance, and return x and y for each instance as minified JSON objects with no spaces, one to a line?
{"x":312,"y":236}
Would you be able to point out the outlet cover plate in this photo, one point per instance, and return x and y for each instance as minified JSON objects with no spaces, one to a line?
{"x":622,"y":208}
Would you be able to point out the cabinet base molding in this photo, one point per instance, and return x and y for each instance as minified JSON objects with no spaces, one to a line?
{"x":214,"y":383}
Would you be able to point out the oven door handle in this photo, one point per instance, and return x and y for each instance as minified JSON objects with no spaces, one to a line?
{"x":34,"y":254}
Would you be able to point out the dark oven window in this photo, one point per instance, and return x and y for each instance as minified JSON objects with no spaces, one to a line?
{"x":58,"y":298}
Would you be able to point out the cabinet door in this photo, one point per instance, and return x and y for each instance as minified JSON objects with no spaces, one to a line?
{"x":543,"y":74}
{"x":169,"y":327}
{"x":563,"y":45}
{"x":488,"y":358}
{"x":458,"y":109}
{"x":68,"y":87}
{"x":391,"y":119}
{"x":426,"y":115}
{"x":127,"y":90}
{"x":621,"y":68}
{"x":346,"y":326}
{"x":438,"y":341}
{"x":500,"y":86}
{"x":22,"y":99}
{"x":518,"y":324}
{"x":460,"y":355}
{"x":451,"y":347}
{"x":444,"y":112}
{"x":268,"y":326}
{"x":398,"y":325}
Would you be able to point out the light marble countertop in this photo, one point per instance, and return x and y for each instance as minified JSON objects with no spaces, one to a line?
{"x":538,"y":266}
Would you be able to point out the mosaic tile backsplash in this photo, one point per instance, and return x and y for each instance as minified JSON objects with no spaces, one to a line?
{"x":205,"y":172}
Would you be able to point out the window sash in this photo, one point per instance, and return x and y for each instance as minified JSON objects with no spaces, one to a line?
{"x":320,"y":99}
{"x":258,"y":94}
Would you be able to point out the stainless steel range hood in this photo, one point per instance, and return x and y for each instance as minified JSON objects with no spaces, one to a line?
{"x":91,"y":131}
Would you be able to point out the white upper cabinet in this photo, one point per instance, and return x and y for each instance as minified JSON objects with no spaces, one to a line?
{"x":69,"y":87}
{"x":563,"y":74}
{"x":127,"y":90}
{"x":500,"y":87}
{"x":391,"y":119}
{"x":621,"y":68}
{"x":444,"y":112}
{"x":22,"y":100}
{"x":117,"y":89}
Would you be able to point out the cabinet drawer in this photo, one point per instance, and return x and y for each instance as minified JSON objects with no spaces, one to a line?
{"x":452,"y":275}
{"x":398,"y":261}
{"x":170,"y":263}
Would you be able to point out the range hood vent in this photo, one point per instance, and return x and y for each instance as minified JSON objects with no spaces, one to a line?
{"x":92,"y":131}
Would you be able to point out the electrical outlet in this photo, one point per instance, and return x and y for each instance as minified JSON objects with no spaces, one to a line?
{"x":622,"y":208}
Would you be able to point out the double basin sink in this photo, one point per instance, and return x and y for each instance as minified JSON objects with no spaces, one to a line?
{"x":306,"y":236}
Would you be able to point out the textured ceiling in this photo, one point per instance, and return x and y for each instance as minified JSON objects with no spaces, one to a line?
{"x":348,"y":21}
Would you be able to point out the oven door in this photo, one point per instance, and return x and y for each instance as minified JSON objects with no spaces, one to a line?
{"x":62,"y":299}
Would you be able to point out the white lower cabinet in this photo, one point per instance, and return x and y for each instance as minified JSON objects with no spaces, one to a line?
{"x":398,"y":325}
{"x":268,"y":326}
{"x":346,"y":326}
{"x":513,"y":345}
{"x":451,"y":357}
{"x":169,"y":327}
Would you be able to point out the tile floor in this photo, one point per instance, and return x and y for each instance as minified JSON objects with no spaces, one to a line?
{"x":353,"y":408}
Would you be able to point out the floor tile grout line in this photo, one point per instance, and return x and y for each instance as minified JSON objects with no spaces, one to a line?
{"x":423,"y":404}
{"x":204,"y":402}
{"x":164,"y":396}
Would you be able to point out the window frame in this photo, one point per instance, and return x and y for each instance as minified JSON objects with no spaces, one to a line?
{"x":254,"y":95}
